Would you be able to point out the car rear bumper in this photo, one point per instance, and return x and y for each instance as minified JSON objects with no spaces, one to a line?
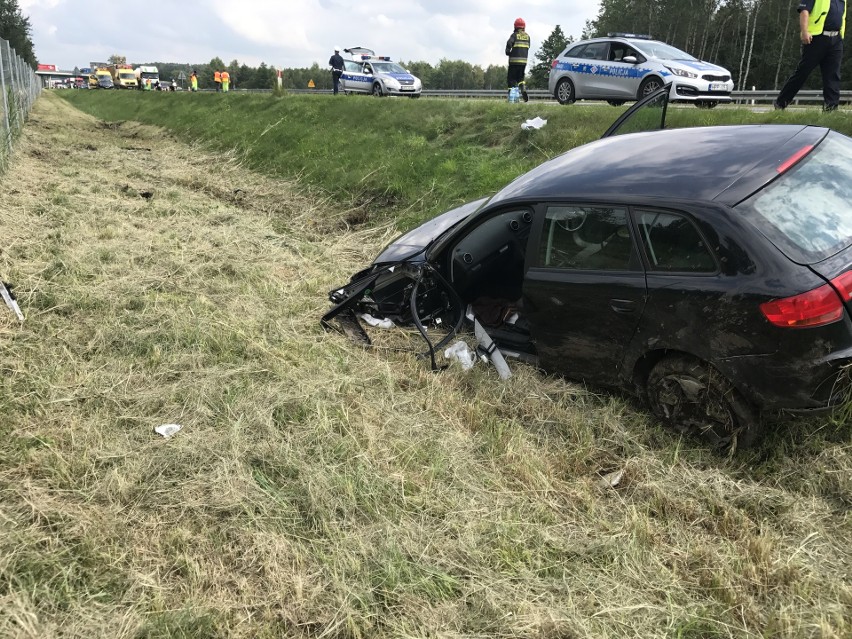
{"x":779,"y":382}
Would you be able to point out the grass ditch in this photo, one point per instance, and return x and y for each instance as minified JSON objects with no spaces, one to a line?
{"x":321,"y":490}
{"x":398,"y":160}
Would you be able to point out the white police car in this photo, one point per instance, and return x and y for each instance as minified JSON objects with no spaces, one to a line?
{"x":625,"y":66}
{"x":378,"y":75}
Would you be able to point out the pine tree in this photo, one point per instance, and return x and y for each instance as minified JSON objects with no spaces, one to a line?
{"x":550,"y":49}
{"x":15,"y":28}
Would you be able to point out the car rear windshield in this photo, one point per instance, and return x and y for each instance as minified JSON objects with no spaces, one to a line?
{"x":807,"y":211}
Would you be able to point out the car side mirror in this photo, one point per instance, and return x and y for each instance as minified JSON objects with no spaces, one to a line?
{"x":630,"y":58}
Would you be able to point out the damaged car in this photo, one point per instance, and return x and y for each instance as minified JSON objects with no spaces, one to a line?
{"x":707,"y":270}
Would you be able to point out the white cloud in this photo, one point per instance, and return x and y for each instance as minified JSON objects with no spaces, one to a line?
{"x":293,"y":34}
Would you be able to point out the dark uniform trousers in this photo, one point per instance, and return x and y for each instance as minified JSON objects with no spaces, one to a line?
{"x":823,"y":51}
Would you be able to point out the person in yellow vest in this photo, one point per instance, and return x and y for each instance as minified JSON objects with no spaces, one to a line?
{"x":147,"y":84}
{"x":822,"y":25}
{"x":226,"y":81}
{"x":217,"y":80}
{"x":193,"y":81}
{"x":518,"y":50}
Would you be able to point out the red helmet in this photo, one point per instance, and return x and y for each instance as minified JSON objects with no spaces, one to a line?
{"x":520,"y":24}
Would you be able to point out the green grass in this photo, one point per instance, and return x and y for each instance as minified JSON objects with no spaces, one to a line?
{"x":397,"y":159}
{"x":318,"y":489}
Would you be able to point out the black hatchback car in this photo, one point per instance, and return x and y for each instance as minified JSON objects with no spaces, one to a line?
{"x":714,"y":277}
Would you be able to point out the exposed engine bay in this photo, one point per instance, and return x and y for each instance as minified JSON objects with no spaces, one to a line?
{"x":445,"y":290}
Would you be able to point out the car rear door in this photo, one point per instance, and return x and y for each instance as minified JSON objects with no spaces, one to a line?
{"x":353,"y":78}
{"x":593,"y":69}
{"x":584,"y":291}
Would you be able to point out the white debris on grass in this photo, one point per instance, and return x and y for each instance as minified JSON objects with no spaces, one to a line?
{"x":378,"y":323}
{"x":461,"y":352}
{"x":535,"y":123}
{"x":167,"y":430}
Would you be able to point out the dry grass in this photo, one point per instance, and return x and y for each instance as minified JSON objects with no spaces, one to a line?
{"x":321,"y":490}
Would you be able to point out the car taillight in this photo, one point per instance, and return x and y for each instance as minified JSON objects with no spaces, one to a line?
{"x":818,"y":307}
{"x":553,"y":64}
{"x":843,"y":284}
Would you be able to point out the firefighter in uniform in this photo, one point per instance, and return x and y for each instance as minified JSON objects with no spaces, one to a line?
{"x":518,"y":49}
{"x":822,"y":24}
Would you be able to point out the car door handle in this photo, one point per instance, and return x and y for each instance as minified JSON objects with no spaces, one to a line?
{"x":622,"y":306}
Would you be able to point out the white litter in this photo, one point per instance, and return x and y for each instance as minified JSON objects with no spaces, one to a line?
{"x":167,"y":430}
{"x":373,"y":321}
{"x":461,"y":353}
{"x":611,"y":480}
{"x":535,"y":123}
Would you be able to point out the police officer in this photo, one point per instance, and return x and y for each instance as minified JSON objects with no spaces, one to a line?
{"x":822,"y":25}
{"x":336,"y":64}
{"x":518,"y":49}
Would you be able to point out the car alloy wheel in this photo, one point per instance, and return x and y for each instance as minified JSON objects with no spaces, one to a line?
{"x":377,"y":90}
{"x":694,"y":398}
{"x":564,"y":91}
{"x":648,"y":86}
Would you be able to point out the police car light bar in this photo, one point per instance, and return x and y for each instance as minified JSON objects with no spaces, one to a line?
{"x":637,"y":36}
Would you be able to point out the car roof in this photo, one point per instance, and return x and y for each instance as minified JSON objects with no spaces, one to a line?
{"x":721,"y":163}
{"x":627,"y":39}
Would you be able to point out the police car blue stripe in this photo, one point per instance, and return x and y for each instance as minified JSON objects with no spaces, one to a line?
{"x":608,"y":70}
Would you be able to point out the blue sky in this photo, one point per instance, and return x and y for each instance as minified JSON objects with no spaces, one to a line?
{"x":285,"y":33}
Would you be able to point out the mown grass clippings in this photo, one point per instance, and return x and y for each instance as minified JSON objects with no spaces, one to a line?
{"x":320,"y":489}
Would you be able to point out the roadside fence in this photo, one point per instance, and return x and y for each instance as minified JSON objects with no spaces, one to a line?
{"x":20,"y":87}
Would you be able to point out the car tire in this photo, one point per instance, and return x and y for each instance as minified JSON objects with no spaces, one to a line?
{"x":615,"y":103}
{"x":706,"y":104}
{"x":377,"y":90}
{"x":648,"y":86}
{"x":564,"y":92}
{"x":695,"y":398}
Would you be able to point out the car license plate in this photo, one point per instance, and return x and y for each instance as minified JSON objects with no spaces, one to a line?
{"x":404,"y":88}
{"x":718,"y":86}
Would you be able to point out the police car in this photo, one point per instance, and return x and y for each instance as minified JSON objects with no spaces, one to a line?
{"x":625,"y":66}
{"x":378,"y":75}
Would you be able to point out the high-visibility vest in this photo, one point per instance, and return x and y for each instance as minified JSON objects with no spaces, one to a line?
{"x":217,"y":77}
{"x":816,"y":18}
{"x":521,"y":50}
{"x":225,"y":76}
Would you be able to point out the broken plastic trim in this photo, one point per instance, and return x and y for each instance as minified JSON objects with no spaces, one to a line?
{"x":10,"y":299}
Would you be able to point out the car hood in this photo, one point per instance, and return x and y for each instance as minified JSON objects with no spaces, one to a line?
{"x":420,"y":238}
{"x":398,"y":76}
{"x":695,"y":65}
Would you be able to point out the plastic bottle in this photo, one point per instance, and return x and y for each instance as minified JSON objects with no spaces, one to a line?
{"x":514,"y":95}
